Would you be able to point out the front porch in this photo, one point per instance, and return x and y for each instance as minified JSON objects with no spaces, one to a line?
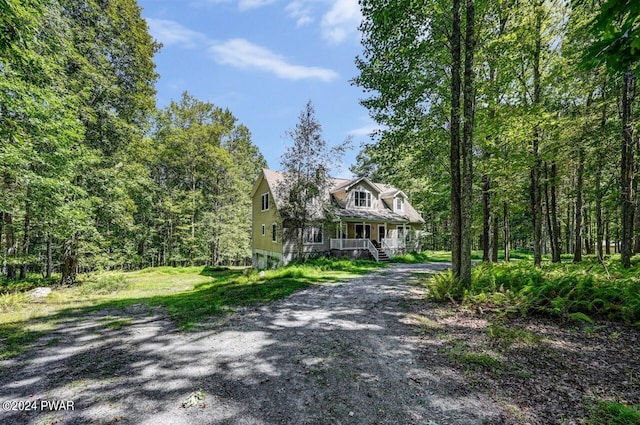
{"x":382,"y":251}
{"x":380,"y":240}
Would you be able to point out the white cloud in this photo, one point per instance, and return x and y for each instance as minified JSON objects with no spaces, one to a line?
{"x":300,"y":11}
{"x":172,"y":33}
{"x":341,"y":20}
{"x":245,"y":4}
{"x":253,"y":4}
{"x":241,"y":53}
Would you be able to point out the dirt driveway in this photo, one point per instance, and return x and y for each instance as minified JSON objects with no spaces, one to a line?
{"x":333,"y":354}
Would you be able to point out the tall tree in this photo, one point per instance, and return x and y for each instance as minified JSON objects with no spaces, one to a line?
{"x":306,"y":164}
{"x":617,"y":44}
{"x":413,"y":66}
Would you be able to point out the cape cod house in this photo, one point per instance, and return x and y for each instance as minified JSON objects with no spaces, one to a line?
{"x":372,"y":220}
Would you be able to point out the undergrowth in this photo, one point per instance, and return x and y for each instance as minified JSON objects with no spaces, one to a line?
{"x":580,"y":292}
{"x":612,"y":413}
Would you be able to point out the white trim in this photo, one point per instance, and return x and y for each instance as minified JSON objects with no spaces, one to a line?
{"x":264,"y":230}
{"x":262,"y":203}
{"x":368,"y":198}
{"x":320,"y":232}
{"x":274,"y":232}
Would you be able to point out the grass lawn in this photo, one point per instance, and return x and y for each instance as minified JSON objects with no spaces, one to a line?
{"x":189,"y":295}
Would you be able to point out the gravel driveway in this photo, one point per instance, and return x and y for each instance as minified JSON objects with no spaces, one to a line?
{"x":343,"y":353}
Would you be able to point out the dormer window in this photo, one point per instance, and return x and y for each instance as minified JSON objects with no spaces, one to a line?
{"x":399,"y":204}
{"x":362,"y":198}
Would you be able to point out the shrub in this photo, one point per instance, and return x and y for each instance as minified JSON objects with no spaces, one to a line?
{"x":443,"y":287}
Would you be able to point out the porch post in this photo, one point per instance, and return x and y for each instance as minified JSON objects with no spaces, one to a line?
{"x":404,"y":236}
{"x":364,"y":233}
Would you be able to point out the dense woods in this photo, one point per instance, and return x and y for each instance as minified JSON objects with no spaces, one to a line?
{"x":538,"y":97}
{"x":509,"y":124}
{"x":92,"y":176}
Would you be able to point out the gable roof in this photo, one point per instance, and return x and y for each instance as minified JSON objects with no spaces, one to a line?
{"x":351,"y":183}
{"x":409,"y":214}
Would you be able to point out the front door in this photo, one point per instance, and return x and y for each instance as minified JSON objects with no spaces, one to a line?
{"x":382,"y":232}
{"x":363,"y":231}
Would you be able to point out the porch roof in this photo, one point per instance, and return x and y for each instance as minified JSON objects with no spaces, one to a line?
{"x":372,"y":215}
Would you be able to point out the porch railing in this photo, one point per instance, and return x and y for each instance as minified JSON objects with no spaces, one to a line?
{"x":350,"y":244}
{"x":393,"y":246}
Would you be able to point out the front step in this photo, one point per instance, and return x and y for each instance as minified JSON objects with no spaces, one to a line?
{"x":382,"y":256}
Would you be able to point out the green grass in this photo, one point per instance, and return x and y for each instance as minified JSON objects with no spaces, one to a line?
{"x":423,"y":257}
{"x":189,"y":295}
{"x":611,"y":413}
{"x":445,"y":256}
{"x":479,"y":361}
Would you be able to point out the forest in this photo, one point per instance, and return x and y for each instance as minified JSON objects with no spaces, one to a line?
{"x":513,"y":124}
{"x":510,"y":124}
{"x":92,"y":175}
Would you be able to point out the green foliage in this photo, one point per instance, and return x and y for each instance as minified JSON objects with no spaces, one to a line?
{"x":444,"y":286}
{"x":617,"y":31}
{"x":575,"y":292}
{"x":612,"y":413}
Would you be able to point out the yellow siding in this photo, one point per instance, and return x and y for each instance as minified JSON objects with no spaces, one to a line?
{"x":267,"y":218}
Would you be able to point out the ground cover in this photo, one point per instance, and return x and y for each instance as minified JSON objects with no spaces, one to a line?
{"x":189,"y":295}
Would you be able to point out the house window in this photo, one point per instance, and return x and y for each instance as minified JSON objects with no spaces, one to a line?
{"x":274,"y":232}
{"x":399,"y":204}
{"x":313,"y":235}
{"x":404,"y":233}
{"x":362,"y":198}
{"x":264,"y":232}
{"x":265,"y":201}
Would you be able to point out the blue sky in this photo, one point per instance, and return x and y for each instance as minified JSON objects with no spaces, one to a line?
{"x":264,"y":59}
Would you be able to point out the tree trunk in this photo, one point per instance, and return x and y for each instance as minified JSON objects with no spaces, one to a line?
{"x":577,"y":254}
{"x":607,"y":237}
{"x":494,"y":239}
{"x":599,"y":224}
{"x":11,"y":246}
{"x":554,"y":214}
{"x":467,"y":147}
{"x":547,"y":203}
{"x":70,"y":263}
{"x":486,"y":219}
{"x":49,"y":269}
{"x":588,"y":230}
{"x":505,"y":230}
{"x":534,"y":190}
{"x":626,"y":168}
{"x":636,"y":243}
{"x":3,"y":266}
{"x":25,"y":241}
{"x":569,"y":229}
{"x":454,"y":155}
